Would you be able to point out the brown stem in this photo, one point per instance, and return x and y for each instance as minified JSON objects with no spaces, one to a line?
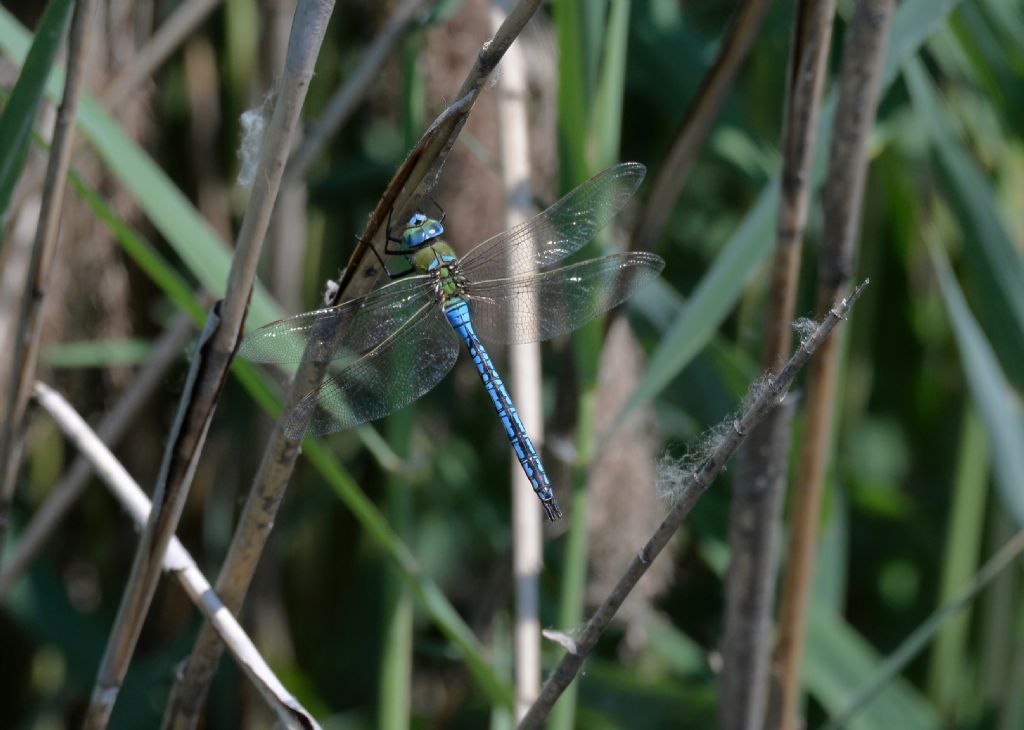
{"x":859,"y":83}
{"x":755,"y":510}
{"x":693,"y":487}
{"x":422,"y":163}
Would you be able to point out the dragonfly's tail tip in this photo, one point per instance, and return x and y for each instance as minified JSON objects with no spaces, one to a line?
{"x":551,"y":509}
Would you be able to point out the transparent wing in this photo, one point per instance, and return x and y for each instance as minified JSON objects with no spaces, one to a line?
{"x":363,"y":323}
{"x":397,"y":371}
{"x":541,"y":306}
{"x":558,"y":231}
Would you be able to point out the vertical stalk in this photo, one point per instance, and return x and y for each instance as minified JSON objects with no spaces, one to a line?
{"x":755,"y":510}
{"x":843,"y":193}
{"x":524,"y":385}
{"x":963,"y":545}
{"x":28,"y":326}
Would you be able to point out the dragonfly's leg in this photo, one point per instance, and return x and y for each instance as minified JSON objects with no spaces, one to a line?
{"x":392,"y":275}
{"x":514,"y":429}
{"x":438,"y":206}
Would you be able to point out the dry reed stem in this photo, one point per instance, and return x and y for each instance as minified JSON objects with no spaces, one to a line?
{"x":765,"y":399}
{"x":696,"y":125}
{"x":111,"y":430}
{"x":28,"y":327}
{"x":524,"y":383}
{"x":210,"y":368}
{"x":423,"y":163}
{"x":756,"y":505}
{"x":176,"y":560}
{"x":859,"y":82}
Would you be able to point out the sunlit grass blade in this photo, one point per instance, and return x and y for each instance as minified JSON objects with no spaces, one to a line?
{"x":839,"y":661}
{"x":96,"y":353}
{"x":19,"y":114}
{"x":996,"y":401}
{"x":963,"y":545}
{"x":995,"y":265}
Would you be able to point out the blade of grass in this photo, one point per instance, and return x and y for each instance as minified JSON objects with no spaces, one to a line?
{"x":963,"y":546}
{"x":206,"y":256}
{"x":19,"y":114}
{"x":995,"y":399}
{"x":838,"y":660}
{"x":996,"y":266}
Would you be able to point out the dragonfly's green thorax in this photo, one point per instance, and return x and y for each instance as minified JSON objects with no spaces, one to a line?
{"x":428,"y":253}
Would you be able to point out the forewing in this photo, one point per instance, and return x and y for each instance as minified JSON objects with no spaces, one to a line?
{"x":344,"y":331}
{"x":541,"y":306}
{"x":557,"y":232}
{"x":397,"y":371}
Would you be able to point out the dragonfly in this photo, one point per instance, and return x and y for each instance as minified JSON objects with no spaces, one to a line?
{"x":390,"y":347}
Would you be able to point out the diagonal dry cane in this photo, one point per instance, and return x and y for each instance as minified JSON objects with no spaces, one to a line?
{"x":421,"y":167}
{"x":212,"y":360}
{"x":176,"y":560}
{"x":115,"y":424}
{"x":767,"y":398}
{"x":756,"y":502}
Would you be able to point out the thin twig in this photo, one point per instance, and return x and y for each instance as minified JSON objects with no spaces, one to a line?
{"x":176,"y":559}
{"x":859,"y":83}
{"x":257,"y":519}
{"x":524,"y":384}
{"x":756,"y":505}
{"x":344,"y":101}
{"x":765,"y":399}
{"x":696,"y":125}
{"x":167,"y":351}
{"x":29,"y":323}
{"x":212,"y":360}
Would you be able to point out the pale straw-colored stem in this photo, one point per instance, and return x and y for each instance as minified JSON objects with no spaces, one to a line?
{"x":176,"y":559}
{"x":168,"y":350}
{"x":524,"y":385}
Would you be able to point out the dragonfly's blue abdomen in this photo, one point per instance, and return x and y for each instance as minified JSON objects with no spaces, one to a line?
{"x":457,"y":312}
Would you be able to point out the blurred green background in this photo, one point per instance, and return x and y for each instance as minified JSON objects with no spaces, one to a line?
{"x":923,"y":486}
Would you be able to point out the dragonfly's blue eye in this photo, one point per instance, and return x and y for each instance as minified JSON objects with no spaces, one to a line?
{"x":420,"y":230}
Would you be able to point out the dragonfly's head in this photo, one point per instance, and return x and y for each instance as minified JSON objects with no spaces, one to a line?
{"x":420,"y":230}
